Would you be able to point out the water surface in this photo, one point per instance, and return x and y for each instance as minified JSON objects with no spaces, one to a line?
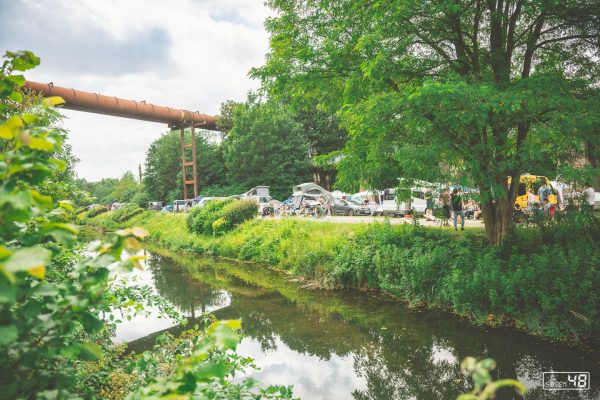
{"x":348,"y":345}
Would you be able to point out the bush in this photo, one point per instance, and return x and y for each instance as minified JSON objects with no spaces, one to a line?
{"x":125,"y":209}
{"x":130,"y":214}
{"x":238,"y":212}
{"x":141,"y":199}
{"x":544,"y":281}
{"x":200,"y":219}
{"x":220,"y":216}
{"x":80,"y":210}
{"x":97,"y":211}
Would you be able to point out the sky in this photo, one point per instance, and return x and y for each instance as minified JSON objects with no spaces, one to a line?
{"x":190,"y":54}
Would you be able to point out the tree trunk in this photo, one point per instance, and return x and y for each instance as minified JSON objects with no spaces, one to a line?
{"x":498,"y":213}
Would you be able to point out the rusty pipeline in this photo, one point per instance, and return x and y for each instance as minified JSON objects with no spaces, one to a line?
{"x":109,"y":105}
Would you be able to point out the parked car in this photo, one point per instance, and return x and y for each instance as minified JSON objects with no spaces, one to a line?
{"x":156,"y":205}
{"x":182,"y":205}
{"x":259,"y":194}
{"x":348,"y":207}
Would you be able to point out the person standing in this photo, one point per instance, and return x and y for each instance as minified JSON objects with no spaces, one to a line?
{"x":530,"y":200}
{"x":429,"y":209}
{"x":458,"y":209}
{"x":543,"y":193}
{"x":588,"y":195}
{"x":445,"y":202}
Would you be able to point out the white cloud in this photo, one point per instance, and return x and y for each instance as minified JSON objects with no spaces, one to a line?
{"x":183,"y":53}
{"x":311,"y":376}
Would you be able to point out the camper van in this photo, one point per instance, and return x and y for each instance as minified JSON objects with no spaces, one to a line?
{"x":260,"y":194}
{"x":389,"y":205}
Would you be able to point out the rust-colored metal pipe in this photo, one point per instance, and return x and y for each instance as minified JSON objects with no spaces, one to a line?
{"x":101,"y":104}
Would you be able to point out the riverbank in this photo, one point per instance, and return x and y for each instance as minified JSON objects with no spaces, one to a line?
{"x":547,"y":290}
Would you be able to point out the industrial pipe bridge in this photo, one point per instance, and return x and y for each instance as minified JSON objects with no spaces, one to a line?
{"x":141,"y":110}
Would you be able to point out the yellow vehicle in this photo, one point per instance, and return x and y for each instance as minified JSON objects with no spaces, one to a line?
{"x":532,"y":182}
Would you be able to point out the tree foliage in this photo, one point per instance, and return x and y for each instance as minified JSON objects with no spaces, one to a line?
{"x":57,"y":303}
{"x":162,"y":177}
{"x":266,"y":147}
{"x":478,"y":89}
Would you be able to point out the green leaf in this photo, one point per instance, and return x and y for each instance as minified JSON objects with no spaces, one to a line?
{"x":10,"y":128}
{"x":24,"y":60}
{"x":225,"y":337}
{"x":32,"y":259}
{"x":233,"y":323}
{"x":90,"y":351}
{"x":8,"y":292}
{"x":18,"y":80}
{"x":8,"y":334}
{"x":53,"y":101}
{"x":40,"y":144}
{"x":16,"y":96}
{"x":211,"y":370}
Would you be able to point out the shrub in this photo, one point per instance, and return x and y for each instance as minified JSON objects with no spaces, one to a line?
{"x":130,"y":214}
{"x":80,"y":210}
{"x":238,"y":212}
{"x":125,"y":209}
{"x":219,"y":226}
{"x":200,"y":220}
{"x":97,"y":211}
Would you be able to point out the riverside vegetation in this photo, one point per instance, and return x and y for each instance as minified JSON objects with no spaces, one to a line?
{"x":62,"y":293}
{"x":542,"y":279}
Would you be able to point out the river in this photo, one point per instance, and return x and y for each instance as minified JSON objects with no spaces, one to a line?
{"x":348,"y":344}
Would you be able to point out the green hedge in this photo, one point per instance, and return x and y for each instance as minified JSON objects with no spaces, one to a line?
{"x":130,"y":214}
{"x":220,"y":216}
{"x":552,"y":289}
{"x":238,"y":212}
{"x":97,"y":211}
{"x":200,"y":219}
{"x":125,"y":209}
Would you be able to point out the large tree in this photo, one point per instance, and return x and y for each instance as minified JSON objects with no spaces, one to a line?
{"x":266,"y":146}
{"x":465,"y":87}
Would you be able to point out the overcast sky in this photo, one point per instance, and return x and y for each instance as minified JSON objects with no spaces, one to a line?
{"x":190,"y":54}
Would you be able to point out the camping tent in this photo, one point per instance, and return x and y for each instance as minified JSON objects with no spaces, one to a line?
{"x":309,"y":192}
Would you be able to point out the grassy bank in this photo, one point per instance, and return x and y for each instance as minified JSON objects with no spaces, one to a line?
{"x":544,"y":280}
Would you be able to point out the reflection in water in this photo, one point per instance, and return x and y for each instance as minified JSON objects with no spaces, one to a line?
{"x":353,"y":345}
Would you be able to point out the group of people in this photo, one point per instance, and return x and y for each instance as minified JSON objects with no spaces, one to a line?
{"x":548,"y":209}
{"x":320,"y":209}
{"x":453,"y":204}
{"x":543,"y":204}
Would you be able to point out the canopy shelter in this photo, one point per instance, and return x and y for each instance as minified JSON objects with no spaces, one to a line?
{"x":309,"y":192}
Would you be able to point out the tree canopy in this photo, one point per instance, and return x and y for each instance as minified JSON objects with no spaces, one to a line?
{"x":162,"y":176}
{"x":477,"y":89}
{"x":266,"y":147}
